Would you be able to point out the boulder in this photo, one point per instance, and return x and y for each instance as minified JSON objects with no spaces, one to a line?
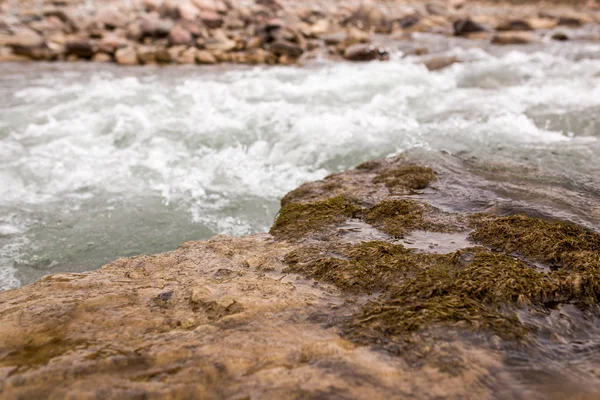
{"x":80,"y":47}
{"x":286,"y":47}
{"x":163,"y":56}
{"x":463,"y":27}
{"x":111,"y":18}
{"x":205,"y":57}
{"x":146,"y":54}
{"x":219,"y":42}
{"x":180,"y":36}
{"x":26,"y":42}
{"x":126,"y":56}
{"x":102,"y":57}
{"x":560,"y":36}
{"x":7,"y":55}
{"x":365,"y":52}
{"x":111,"y":43}
{"x":187,"y":56}
{"x":514,"y":25}
{"x":507,"y":38}
{"x":439,"y":62}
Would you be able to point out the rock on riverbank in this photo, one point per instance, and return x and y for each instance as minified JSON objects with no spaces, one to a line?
{"x":261,"y":31}
{"x":344,"y":298}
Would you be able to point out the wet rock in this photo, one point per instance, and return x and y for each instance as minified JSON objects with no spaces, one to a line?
{"x":560,"y":36}
{"x":180,"y":36}
{"x":463,"y":27}
{"x":333,"y":39}
{"x":111,"y":19}
{"x":514,"y":25}
{"x":146,"y":54}
{"x":440,"y":62}
{"x":205,"y":57}
{"x":365,"y":52}
{"x":80,"y":47}
{"x":102,"y":58}
{"x":286,"y":47}
{"x":507,"y":38}
{"x":126,"y":56}
{"x":163,"y":56}
{"x":22,"y":38}
{"x":187,"y":56}
{"x":6,"y":55}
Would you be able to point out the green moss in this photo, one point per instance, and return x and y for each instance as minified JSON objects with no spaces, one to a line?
{"x":396,"y":217}
{"x":475,"y":288}
{"x":406,"y":178}
{"x":297,"y":220}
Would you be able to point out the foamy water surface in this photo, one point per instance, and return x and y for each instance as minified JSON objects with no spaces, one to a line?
{"x":98,"y":162}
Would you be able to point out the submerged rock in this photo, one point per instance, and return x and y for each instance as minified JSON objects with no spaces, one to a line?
{"x":332,"y":293}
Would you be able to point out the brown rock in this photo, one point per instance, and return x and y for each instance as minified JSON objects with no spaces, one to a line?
{"x":437,"y":8}
{"x":205,"y":57}
{"x":180,"y":36}
{"x":333,"y":39}
{"x":163,"y":56}
{"x":26,"y":42}
{"x":506,"y":38}
{"x":211,"y":19}
{"x":188,"y":56}
{"x":514,"y":25}
{"x":542,"y":23}
{"x":80,"y":47}
{"x":146,"y":54}
{"x":126,"y":56}
{"x":365,"y":52}
{"x":466,"y":26}
{"x":560,"y":36}
{"x":6,"y":55}
{"x":175,"y":51}
{"x":440,"y":62}
{"x":219,"y":42}
{"x":111,"y":43}
{"x":211,"y":5}
{"x":286,"y":47}
{"x":155,"y":28}
{"x":102,"y":57}
{"x":111,"y":18}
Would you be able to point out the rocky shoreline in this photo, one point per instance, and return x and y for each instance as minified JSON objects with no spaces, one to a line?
{"x":362,"y":289}
{"x":269,"y":31}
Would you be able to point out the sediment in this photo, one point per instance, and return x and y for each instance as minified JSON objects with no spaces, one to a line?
{"x":333,"y":302}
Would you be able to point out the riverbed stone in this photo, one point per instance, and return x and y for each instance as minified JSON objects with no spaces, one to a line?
{"x":126,"y":56}
{"x":365,"y":52}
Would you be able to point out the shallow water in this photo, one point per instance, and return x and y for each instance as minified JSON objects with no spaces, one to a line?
{"x":98,"y":162}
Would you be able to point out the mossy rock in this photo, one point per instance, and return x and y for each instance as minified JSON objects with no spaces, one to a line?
{"x":406,"y":178}
{"x":298,"y":220}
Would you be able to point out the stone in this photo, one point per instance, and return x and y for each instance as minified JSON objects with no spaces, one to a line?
{"x":6,"y":55}
{"x":365,"y":52}
{"x":188,"y":12}
{"x":541,"y":23}
{"x":219,"y":42}
{"x":205,"y":57}
{"x":126,"y":56}
{"x":466,"y":26}
{"x":155,"y":28}
{"x":211,"y":19}
{"x":211,"y":5}
{"x":80,"y":47}
{"x":560,"y":36}
{"x":320,"y":27}
{"x":332,"y":39}
{"x":102,"y":58}
{"x":439,"y":62}
{"x":437,"y":8}
{"x":286,"y":47}
{"x":187,"y":56}
{"x":514,"y":25}
{"x":22,"y":38}
{"x":508,"y":38}
{"x":146,"y":54}
{"x":163,"y":56}
{"x":111,"y":43}
{"x":111,"y":18}
{"x":180,"y":36}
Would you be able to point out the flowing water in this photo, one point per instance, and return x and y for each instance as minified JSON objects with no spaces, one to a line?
{"x":99,"y":162}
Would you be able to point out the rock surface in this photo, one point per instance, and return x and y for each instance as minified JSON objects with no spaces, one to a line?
{"x":337,"y":301}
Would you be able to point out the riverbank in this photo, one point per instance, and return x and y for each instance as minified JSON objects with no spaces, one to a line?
{"x":363,"y":288}
{"x":271,"y":31}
